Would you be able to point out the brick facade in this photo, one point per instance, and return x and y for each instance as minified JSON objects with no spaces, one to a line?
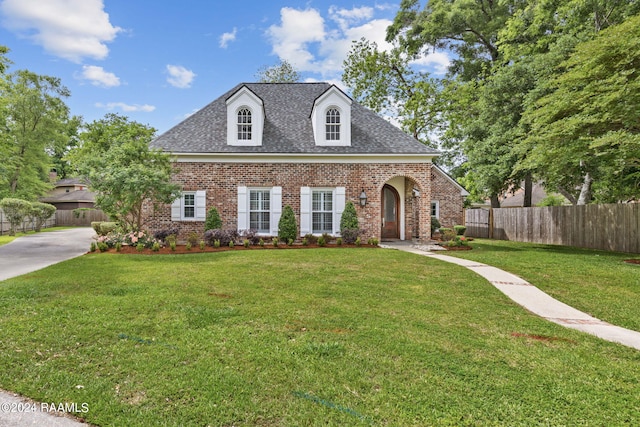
{"x":450,"y":199}
{"x":221,"y":181}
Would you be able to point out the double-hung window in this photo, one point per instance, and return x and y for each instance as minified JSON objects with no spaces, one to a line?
{"x":260,"y":210}
{"x":322,"y":211}
{"x":189,"y":206}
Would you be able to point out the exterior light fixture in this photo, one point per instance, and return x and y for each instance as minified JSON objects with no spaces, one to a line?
{"x":363,"y":198}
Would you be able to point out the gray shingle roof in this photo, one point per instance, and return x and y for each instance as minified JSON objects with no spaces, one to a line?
{"x":287,"y":126}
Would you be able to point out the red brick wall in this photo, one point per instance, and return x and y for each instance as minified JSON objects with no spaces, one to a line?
{"x":221,"y":181}
{"x":448,"y":194}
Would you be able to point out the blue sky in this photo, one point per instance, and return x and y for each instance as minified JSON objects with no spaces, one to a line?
{"x":159,"y":61}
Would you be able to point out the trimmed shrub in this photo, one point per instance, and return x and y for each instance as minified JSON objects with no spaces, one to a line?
{"x":246,"y":243}
{"x":459,"y":229}
{"x":339,"y":241}
{"x":202,"y":245}
{"x":327,"y":237}
{"x":275,"y":242}
{"x":156,"y":247}
{"x":192,"y":238}
{"x":322,"y":241}
{"x":163,"y":234}
{"x":96,"y":227}
{"x":107,"y":227}
{"x":287,"y":227}
{"x":349,"y":217}
{"x":350,"y":235}
{"x":41,"y":212}
{"x":310,"y":238}
{"x":213,"y":221}
{"x":447,"y":234}
{"x":188,"y":246}
{"x":251,"y":235}
{"x":16,"y":210}
{"x":224,"y":236}
{"x":93,"y":247}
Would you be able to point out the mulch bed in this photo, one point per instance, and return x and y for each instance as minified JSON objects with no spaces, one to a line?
{"x":181,"y":249}
{"x":632,"y":261}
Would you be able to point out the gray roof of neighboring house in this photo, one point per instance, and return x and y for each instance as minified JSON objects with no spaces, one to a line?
{"x":287,"y":126}
{"x":71,"y":196}
{"x":67,"y":182}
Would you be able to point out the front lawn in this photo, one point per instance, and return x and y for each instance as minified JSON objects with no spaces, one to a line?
{"x":597,"y":282}
{"x":309,"y":337}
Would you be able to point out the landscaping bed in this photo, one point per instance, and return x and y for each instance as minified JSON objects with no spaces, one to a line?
{"x":182,"y":249}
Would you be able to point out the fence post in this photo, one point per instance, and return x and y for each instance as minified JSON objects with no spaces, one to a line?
{"x":491,"y":222}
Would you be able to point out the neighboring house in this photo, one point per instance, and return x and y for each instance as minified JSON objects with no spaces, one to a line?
{"x":262,"y":146}
{"x":69,"y":194}
{"x":515,"y":197}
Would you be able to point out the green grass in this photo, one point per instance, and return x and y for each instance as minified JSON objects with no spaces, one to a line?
{"x":311,"y":337}
{"x":596,"y":282}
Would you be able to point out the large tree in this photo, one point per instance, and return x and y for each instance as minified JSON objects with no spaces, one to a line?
{"x":35,"y":122}
{"x":283,"y":72}
{"x":386,"y":83}
{"x":115,"y":157}
{"x":589,"y":122}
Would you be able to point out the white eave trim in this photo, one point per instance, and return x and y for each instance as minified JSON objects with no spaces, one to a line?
{"x":302,"y":158}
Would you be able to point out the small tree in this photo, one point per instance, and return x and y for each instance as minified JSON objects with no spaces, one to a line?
{"x":16,"y":210}
{"x":349,"y":217}
{"x":287,"y":227}
{"x":41,"y":212}
{"x":213,"y":221}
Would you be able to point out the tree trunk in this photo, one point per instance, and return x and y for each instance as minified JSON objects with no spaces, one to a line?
{"x":570,"y":197}
{"x":495,"y":201}
{"x":528,"y":190}
{"x":585,"y":191}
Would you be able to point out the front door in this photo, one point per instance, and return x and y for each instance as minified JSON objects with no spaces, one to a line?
{"x":390,"y":222}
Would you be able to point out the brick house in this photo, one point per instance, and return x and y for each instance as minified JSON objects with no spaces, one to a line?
{"x":262,"y":146}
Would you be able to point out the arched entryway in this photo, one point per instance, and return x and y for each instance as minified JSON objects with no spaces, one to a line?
{"x":390,"y":213}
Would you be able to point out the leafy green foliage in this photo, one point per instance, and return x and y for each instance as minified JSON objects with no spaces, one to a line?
{"x":35,"y":122}
{"x":287,"y":227}
{"x":385,"y":82}
{"x":41,"y":212}
{"x":116,"y":159}
{"x":349,"y":217}
{"x":588,"y":121}
{"x":283,"y":72}
{"x":213,"y":220}
{"x":15,"y":210}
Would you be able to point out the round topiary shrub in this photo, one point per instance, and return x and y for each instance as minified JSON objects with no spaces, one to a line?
{"x":287,"y":227}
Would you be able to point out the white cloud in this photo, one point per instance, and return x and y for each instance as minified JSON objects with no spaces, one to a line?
{"x":99,"y":77}
{"x":126,"y":107}
{"x":226,"y":38}
{"x":179,"y":76}
{"x":311,"y":43}
{"x":70,"y":29}
{"x":348,"y":17}
{"x":438,"y":61}
{"x":291,"y":39}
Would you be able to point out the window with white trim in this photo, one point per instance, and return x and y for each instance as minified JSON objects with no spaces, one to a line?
{"x":332,"y":125}
{"x":244,"y":124}
{"x":260,"y":210}
{"x":322,"y":211}
{"x":435,"y":209}
{"x":189,"y":205}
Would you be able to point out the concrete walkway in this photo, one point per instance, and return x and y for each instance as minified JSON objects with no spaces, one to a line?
{"x":534,"y":300}
{"x":24,"y":255}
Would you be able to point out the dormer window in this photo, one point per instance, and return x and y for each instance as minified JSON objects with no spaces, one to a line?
{"x":245,"y":118}
{"x":244,"y":124}
{"x":332,"y":126}
{"x":331,"y":119}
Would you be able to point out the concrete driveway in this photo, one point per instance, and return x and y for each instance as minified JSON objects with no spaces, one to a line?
{"x":35,"y":251}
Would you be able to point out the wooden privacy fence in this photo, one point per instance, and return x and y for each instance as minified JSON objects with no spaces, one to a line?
{"x":60,"y":218}
{"x":81,"y":219}
{"x":612,"y":227}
